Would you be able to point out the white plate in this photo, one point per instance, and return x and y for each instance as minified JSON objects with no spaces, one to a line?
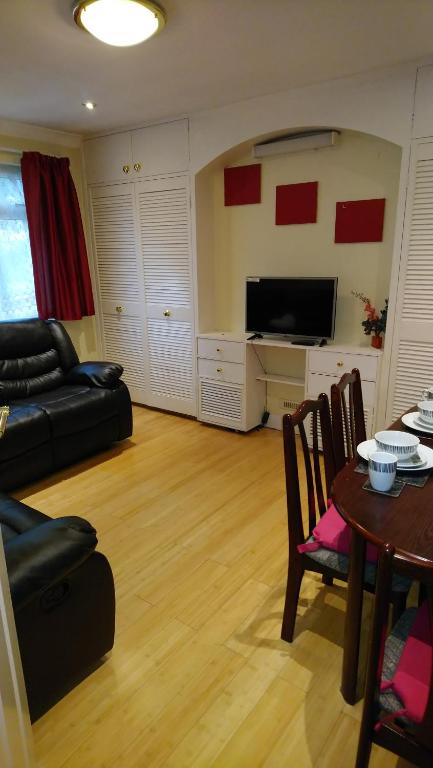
{"x":426,"y":455}
{"x":413,"y":421}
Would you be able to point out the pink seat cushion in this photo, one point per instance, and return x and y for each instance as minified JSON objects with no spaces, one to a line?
{"x":412,"y":677}
{"x":331,"y":532}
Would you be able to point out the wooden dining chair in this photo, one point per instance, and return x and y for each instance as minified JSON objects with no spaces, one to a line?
{"x":348,"y":423}
{"x":385,"y":719}
{"x":328,"y":563}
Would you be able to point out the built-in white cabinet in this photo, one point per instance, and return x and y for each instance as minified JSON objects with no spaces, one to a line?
{"x":150,"y":151}
{"x":412,"y":349}
{"x":141,"y":232}
{"x":233,"y":378}
{"x":325,"y":366}
{"x":229,"y":392}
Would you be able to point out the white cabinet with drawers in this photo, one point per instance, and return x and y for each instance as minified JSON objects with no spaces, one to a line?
{"x":228,"y":390}
{"x":326,"y":365}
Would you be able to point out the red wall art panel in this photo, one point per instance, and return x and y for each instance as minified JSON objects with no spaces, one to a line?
{"x":242,"y":184}
{"x":359,"y":221}
{"x":296,"y":203}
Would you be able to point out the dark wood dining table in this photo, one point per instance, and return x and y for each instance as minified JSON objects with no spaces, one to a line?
{"x":406,"y":522}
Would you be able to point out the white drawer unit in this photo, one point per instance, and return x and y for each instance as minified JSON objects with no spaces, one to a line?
{"x":229,"y":393}
{"x":326,"y":366}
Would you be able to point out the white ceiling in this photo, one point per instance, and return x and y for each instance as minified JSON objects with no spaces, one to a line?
{"x":211,"y":53}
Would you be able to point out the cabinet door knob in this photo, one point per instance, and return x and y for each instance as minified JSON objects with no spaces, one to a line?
{"x":119,"y":308}
{"x":137,"y":167}
{"x":125,"y":169}
{"x":340,"y":364}
{"x":219,"y":370}
{"x":166,"y":313}
{"x":219,"y":349}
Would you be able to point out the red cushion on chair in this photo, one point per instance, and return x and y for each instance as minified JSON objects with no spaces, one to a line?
{"x":412,"y":677}
{"x":331,"y":532}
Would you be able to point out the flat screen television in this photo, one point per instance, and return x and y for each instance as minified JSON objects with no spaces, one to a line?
{"x":291,"y":306}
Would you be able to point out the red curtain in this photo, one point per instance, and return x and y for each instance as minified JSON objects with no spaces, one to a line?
{"x":60,"y":265}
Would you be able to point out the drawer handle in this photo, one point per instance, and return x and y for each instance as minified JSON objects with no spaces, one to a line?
{"x":219,"y":370}
{"x":137,"y":167}
{"x":125,"y":169}
{"x":219,"y":349}
{"x":119,"y":308}
{"x":166,"y":313}
{"x":340,"y":364}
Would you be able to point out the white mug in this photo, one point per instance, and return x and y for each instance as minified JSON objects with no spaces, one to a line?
{"x":382,"y":469}
{"x":427,"y":394}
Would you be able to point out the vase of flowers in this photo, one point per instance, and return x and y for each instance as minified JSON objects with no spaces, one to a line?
{"x":374,"y":324}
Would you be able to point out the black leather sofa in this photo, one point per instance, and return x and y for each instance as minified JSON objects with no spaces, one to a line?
{"x":60,"y":410}
{"x":63,"y":599}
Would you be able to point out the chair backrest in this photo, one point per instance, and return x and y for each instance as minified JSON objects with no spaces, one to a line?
{"x":417,"y":745}
{"x":296,"y":456}
{"x":348,"y":423}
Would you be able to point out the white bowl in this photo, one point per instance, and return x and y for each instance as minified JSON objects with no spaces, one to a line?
{"x":425,"y":410}
{"x":401,"y":444}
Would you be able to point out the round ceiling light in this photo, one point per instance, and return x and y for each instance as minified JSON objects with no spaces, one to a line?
{"x":120,"y":22}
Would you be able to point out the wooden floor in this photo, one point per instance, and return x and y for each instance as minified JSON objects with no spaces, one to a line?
{"x":192,"y":519}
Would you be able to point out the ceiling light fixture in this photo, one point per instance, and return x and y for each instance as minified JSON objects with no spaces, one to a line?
{"x":120,"y":22}
{"x":89,"y":105}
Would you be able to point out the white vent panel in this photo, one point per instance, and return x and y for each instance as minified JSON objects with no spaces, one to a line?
{"x":418,"y":287}
{"x":221,"y":401}
{"x":414,"y":373}
{"x":116,"y":259}
{"x":123,"y":342}
{"x":170,"y":355}
{"x":165,"y":246}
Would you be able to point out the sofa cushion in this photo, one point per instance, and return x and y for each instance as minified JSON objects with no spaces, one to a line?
{"x":27,"y":427}
{"x":29,"y":361}
{"x":74,"y":408}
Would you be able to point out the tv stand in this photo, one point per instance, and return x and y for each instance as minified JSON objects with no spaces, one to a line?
{"x":234,"y":375}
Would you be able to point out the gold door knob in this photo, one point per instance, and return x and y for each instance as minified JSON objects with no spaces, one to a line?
{"x":119,"y":308}
{"x":137,"y":167}
{"x":166,"y":313}
{"x":125,"y":169}
{"x":219,"y":370}
{"x":340,"y":364}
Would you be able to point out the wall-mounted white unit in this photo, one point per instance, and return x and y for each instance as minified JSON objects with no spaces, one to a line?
{"x":296,"y":142}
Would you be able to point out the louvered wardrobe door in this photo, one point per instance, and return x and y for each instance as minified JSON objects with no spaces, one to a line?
{"x":165,"y":245}
{"x":120,"y":282}
{"x":412,"y":356}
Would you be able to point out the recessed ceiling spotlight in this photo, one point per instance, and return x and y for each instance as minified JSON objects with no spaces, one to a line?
{"x":120,"y":22}
{"x":89,"y":105}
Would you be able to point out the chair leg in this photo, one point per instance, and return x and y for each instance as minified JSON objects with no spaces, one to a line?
{"x":295,"y":573}
{"x":364,"y":749}
{"x":328,"y":580}
{"x":398,"y":605}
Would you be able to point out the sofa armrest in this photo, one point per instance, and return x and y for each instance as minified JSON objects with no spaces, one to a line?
{"x":95,"y":374}
{"x":46,"y":554}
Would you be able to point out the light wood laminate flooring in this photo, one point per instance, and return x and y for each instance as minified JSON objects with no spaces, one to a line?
{"x":193,"y":521}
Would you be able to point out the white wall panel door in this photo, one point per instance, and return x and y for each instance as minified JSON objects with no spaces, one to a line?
{"x":163,"y":208}
{"x":120,"y":283}
{"x":412,"y":355}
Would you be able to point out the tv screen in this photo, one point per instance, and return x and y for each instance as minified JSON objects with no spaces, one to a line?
{"x":291,"y":306}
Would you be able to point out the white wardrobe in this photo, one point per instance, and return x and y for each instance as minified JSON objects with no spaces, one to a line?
{"x":412,"y":350}
{"x":139,"y":194}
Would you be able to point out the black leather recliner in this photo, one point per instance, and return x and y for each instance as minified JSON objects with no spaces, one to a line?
{"x":60,"y":410}
{"x":63,"y":599}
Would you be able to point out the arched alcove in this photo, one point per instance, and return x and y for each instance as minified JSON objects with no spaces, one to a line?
{"x":239,"y":241}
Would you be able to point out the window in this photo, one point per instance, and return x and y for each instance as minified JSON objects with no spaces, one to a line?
{"x":17,"y":290}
